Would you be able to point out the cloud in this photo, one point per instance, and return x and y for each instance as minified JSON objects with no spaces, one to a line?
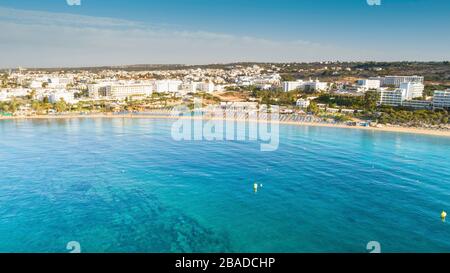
{"x":44,"y":39}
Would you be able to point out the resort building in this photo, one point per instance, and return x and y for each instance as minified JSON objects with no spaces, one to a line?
{"x":413,"y":89}
{"x":167,"y":86}
{"x":307,"y":86}
{"x":315,"y":86}
{"x":441,"y":99}
{"x":194,"y":87}
{"x":418,"y":104}
{"x":392,"y":97}
{"x":397,"y":80}
{"x":292,"y":85}
{"x":59,"y":95}
{"x":366,"y":85}
{"x":123,"y":91}
{"x":96,"y":90}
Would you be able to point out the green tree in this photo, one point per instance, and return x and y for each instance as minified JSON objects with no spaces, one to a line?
{"x":313,"y":108}
{"x":61,"y":106}
{"x":14,"y":105}
{"x":371,"y":99}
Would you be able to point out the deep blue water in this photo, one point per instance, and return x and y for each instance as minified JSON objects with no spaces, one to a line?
{"x":124,"y":185}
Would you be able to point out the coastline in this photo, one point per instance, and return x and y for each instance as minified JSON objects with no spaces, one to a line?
{"x":393,"y":129}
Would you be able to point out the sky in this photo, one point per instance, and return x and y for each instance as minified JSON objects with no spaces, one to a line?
{"x":51,"y":33}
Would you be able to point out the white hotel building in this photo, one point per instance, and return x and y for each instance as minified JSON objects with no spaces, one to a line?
{"x":311,"y":85}
{"x":167,"y":86}
{"x":289,"y":86}
{"x":366,"y":85}
{"x":123,"y":91}
{"x":392,"y":97}
{"x":397,"y":80}
{"x":413,"y":90}
{"x":119,"y":90}
{"x":194,"y":87}
{"x":441,"y":99}
{"x":62,"y":94}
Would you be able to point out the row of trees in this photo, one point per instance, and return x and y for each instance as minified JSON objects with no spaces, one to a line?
{"x":413,"y":118}
{"x":367,"y":102}
{"x":277,"y":97}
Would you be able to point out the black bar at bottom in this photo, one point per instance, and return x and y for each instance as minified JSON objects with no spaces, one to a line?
{"x":223,"y":262}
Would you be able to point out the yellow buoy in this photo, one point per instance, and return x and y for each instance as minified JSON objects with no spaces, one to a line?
{"x":255,"y":187}
{"x":443,"y":215}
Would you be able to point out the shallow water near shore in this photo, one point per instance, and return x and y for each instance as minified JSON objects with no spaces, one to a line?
{"x":124,"y":185}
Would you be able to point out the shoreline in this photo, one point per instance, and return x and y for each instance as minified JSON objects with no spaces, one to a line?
{"x":392,"y":129}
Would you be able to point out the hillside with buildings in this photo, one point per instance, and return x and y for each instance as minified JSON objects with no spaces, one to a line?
{"x":376,"y":92}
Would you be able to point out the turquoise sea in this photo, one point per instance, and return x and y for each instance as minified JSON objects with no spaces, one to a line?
{"x":124,"y":185}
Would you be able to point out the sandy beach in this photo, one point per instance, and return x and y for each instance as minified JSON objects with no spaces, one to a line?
{"x":395,"y":129}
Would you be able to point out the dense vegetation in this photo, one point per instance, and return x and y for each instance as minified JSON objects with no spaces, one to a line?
{"x":413,"y":118}
{"x":276,"y":97}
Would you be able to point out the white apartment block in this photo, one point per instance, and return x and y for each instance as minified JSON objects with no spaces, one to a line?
{"x":167,"y":86}
{"x":418,"y":104}
{"x":392,"y":97}
{"x":16,"y":92}
{"x":316,"y":85}
{"x":59,"y":82}
{"x":397,"y":80}
{"x":96,"y":89}
{"x":310,"y":85}
{"x":413,"y":90}
{"x":289,"y":86}
{"x":59,"y":95}
{"x":123,"y":91}
{"x":366,"y":85}
{"x":194,"y":87}
{"x":441,"y":99}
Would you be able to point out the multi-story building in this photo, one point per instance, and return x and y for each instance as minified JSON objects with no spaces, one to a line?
{"x":397,"y":80}
{"x":366,"y":84}
{"x":123,"y":91}
{"x":441,"y":99}
{"x":418,"y":104}
{"x":308,"y":85}
{"x":193,"y":87}
{"x":59,"y":95}
{"x":315,"y":85}
{"x":98,"y":89}
{"x":392,"y":97}
{"x":413,"y":89}
{"x":167,"y":86}
{"x":292,"y":85}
